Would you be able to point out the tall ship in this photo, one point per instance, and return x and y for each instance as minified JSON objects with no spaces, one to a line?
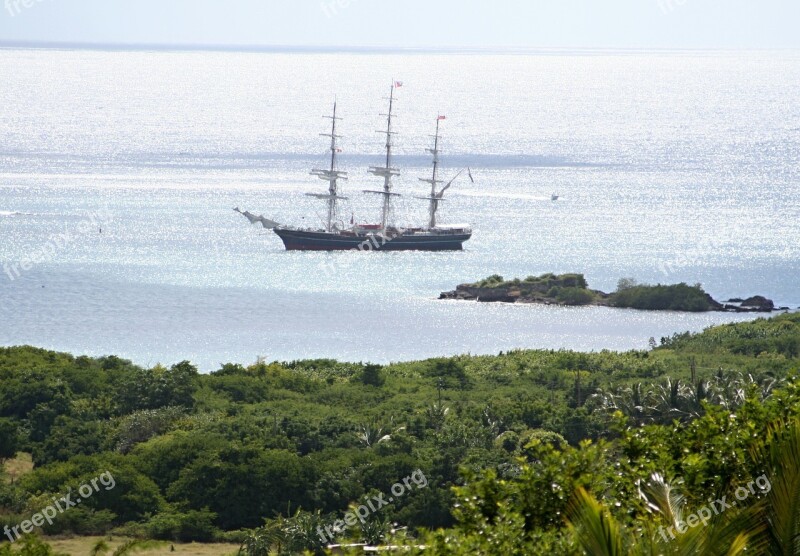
{"x":382,"y":236}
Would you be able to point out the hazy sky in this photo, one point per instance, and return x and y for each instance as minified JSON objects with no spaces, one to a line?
{"x":410,"y":23}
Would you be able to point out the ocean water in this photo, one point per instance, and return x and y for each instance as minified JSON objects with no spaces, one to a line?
{"x":119,"y":170}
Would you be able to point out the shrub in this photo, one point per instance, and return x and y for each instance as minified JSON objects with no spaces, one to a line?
{"x":81,"y":521}
{"x":538,"y":284}
{"x":676,"y":297}
{"x":573,"y":281}
{"x":626,"y":284}
{"x":574,"y":296}
{"x":448,"y":372}
{"x":372,"y":375}
{"x":194,"y":525}
{"x":492,"y":281}
{"x":143,"y":425}
{"x":542,"y":436}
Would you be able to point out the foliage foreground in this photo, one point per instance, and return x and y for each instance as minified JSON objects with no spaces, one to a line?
{"x":690,"y":448}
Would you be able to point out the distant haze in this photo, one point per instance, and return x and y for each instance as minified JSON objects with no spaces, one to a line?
{"x":678,"y":24}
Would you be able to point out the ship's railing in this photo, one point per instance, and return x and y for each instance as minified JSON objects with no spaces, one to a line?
{"x":450,"y":231}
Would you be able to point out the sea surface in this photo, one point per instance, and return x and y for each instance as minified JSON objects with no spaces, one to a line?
{"x":119,"y":170}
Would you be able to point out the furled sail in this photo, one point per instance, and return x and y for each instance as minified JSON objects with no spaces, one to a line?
{"x":265,"y":222}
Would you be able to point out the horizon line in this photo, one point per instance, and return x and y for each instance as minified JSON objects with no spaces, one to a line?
{"x":369,"y":49}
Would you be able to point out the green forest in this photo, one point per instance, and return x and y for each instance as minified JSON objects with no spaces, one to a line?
{"x":692,"y":447}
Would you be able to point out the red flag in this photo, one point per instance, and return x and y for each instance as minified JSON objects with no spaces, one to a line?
{"x":398,"y":84}
{"x":442,"y":118}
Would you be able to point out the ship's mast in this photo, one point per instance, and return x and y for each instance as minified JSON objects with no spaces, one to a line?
{"x":436,"y":196}
{"x":434,"y":179}
{"x":331,"y":175}
{"x":387,"y":171}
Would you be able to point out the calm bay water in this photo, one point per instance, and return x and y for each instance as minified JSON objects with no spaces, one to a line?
{"x":670,"y":167}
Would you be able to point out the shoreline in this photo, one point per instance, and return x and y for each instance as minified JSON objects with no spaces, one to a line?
{"x":579,"y":343}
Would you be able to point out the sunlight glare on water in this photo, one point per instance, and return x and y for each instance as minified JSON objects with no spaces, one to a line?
{"x":670,"y":167}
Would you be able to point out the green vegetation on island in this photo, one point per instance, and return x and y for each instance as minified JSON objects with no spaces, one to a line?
{"x":572,"y":289}
{"x":564,"y":289}
{"x":525,"y":452}
{"x":673,"y":297}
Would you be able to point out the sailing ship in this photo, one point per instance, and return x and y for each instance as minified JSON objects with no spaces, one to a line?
{"x":383,"y":236}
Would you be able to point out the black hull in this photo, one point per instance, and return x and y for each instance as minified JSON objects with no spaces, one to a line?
{"x":302,"y":240}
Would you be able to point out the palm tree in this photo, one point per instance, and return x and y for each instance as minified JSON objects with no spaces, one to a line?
{"x":261,"y":541}
{"x":635,"y":402}
{"x":371,"y":434}
{"x":437,"y":413}
{"x":671,"y":401}
{"x":663,"y":403}
{"x":286,"y":536}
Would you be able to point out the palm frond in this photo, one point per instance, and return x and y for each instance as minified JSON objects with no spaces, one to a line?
{"x":596,"y":530}
{"x":781,"y":455}
{"x":660,"y":497}
{"x":731,"y":533}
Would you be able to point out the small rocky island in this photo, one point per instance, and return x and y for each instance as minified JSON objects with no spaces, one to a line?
{"x":573,"y":290}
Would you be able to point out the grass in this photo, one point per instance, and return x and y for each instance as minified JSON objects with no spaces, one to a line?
{"x":82,"y":546}
{"x":18,"y":466}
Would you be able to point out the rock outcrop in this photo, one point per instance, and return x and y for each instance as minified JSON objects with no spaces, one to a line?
{"x":759,"y":303}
